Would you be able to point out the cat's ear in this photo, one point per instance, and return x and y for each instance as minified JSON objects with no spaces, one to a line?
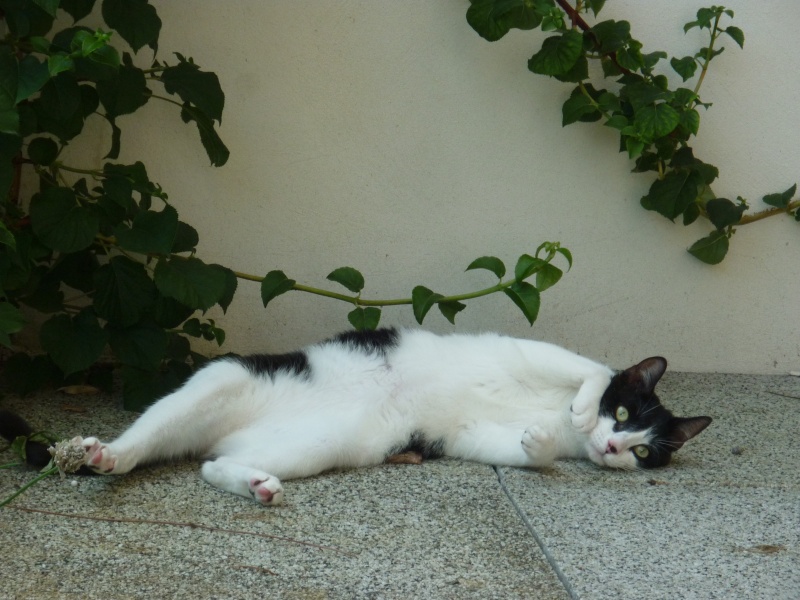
{"x":646,"y":374}
{"x":685,"y":428}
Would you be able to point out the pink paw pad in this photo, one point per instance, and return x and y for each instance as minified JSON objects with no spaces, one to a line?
{"x":265,"y":491}
{"x":98,"y":456}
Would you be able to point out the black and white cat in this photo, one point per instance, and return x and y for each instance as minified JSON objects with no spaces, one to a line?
{"x":361,"y":397}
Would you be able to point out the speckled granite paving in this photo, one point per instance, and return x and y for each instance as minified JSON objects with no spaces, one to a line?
{"x":722,"y":522}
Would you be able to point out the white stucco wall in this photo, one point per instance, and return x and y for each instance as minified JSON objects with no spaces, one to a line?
{"x":390,"y":137}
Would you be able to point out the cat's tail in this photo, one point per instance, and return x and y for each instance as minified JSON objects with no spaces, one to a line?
{"x":12,"y":427}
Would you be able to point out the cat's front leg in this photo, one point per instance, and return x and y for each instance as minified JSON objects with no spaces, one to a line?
{"x":585,"y":407}
{"x":540,"y":446}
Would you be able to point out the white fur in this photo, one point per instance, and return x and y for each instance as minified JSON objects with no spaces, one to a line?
{"x":488,"y":398}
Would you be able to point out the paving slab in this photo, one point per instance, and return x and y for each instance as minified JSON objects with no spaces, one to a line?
{"x":723,"y":521}
{"x":441,"y":530}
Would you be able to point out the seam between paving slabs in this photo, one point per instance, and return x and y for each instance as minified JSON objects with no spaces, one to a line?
{"x":529,"y":526}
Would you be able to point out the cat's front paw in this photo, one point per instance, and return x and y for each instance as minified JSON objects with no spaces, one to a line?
{"x":539,"y":445}
{"x":584,"y":416}
{"x":98,"y":456}
{"x":266,"y":489}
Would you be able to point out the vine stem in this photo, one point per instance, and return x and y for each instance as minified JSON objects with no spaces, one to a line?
{"x":770,"y":212}
{"x":709,"y":54}
{"x":358,"y":301}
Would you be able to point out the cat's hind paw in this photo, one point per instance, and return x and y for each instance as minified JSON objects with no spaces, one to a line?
{"x":98,"y":456}
{"x":539,"y":445}
{"x":266,"y":489}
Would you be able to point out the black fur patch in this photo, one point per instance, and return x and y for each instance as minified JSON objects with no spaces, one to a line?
{"x":378,"y":340}
{"x":292,"y":363}
{"x":429,"y":449}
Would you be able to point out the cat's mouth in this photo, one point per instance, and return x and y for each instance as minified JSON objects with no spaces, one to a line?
{"x":610,"y":460}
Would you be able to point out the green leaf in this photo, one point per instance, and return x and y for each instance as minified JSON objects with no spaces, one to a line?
{"x":77,"y":9}
{"x":578,"y":72}
{"x":422,"y":299}
{"x":199,"y":88}
{"x":169,"y":313}
{"x":349,"y":278}
{"x":566,"y":254}
{"x":186,"y":238}
{"x":9,"y":79}
{"x":364,"y":319}
{"x":42,"y":151}
{"x":451,"y":309}
{"x":558,"y":54}
{"x":124,"y":291}
{"x":32,"y":76}
{"x":595,"y":5}
{"x":73,"y":344}
{"x":231,"y":284}
{"x":9,"y":121}
{"x":135,"y":20}
{"x":577,"y":108}
{"x":77,"y":270}
{"x":631,"y":57}
{"x":612,"y":35}
{"x":690,"y":119}
{"x":526,"y":297}
{"x":190,"y":281}
{"x":151,"y":232}
{"x":642,"y":94}
{"x":723,"y":213}
{"x":59,"y":63}
{"x":711,"y":249}
{"x":490,"y":263}
{"x":685,"y":67}
{"x":673,"y":194}
{"x":142,"y":347}
{"x":217,"y":152}
{"x":736,"y":34}
{"x":492,"y":19}
{"x":526,"y":266}
{"x":618,"y":122}
{"x":60,"y":222}
{"x":48,"y":6}
{"x":124,"y":93}
{"x":11,"y":321}
{"x":61,"y":97}
{"x":548,"y":276}
{"x":656,"y":121}
{"x":7,"y":238}
{"x":275,"y":283}
{"x":691,"y":214}
{"x":782,"y":199}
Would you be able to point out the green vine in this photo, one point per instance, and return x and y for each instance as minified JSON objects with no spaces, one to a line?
{"x":101,"y":251}
{"x":655,"y":122}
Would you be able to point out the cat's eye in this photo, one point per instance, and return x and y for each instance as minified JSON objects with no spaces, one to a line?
{"x":622,"y":414}
{"x":641,"y":451}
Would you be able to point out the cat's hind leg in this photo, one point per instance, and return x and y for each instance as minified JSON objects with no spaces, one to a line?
{"x":217,"y":400}
{"x":229,"y":475}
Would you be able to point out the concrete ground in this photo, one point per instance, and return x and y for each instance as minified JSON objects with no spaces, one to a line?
{"x":722,"y":522}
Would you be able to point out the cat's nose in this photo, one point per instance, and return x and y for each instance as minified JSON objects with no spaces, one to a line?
{"x":611,"y":448}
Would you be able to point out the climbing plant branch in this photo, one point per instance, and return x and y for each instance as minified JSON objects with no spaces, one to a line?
{"x":656,"y":121}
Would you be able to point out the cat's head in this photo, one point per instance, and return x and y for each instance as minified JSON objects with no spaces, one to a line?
{"x":634,"y":430}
